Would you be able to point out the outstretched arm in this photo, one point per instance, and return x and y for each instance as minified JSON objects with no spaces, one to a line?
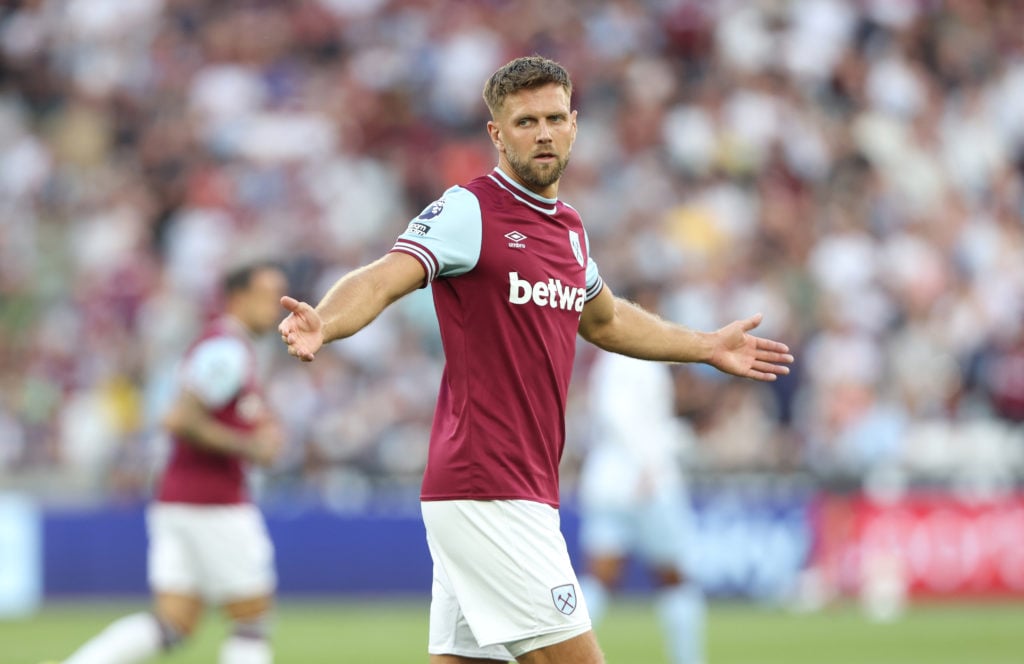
{"x":351,"y":304}
{"x":617,"y":325}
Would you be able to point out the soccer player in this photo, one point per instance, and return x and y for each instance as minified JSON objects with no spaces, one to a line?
{"x":207,"y":541}
{"x":633,"y":495}
{"x":513,"y":283}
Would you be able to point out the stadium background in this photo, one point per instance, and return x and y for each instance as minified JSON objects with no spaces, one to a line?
{"x":853,"y":169}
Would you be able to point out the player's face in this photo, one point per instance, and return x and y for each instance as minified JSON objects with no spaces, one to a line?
{"x":263,"y":300}
{"x":534,"y":133}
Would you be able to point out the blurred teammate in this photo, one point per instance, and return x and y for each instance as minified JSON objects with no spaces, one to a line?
{"x":207,"y":541}
{"x":632,"y":493}
{"x":513,"y":284}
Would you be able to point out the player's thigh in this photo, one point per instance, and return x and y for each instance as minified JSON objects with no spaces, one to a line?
{"x":582,"y":649}
{"x":455,"y":659}
{"x":181,"y":612}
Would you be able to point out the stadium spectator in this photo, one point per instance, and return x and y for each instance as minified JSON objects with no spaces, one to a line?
{"x":207,"y":542}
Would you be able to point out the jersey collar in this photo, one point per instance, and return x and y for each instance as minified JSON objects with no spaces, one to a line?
{"x":522,"y":194}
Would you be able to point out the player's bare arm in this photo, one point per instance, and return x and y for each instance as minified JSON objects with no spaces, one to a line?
{"x":620,"y":326}
{"x":191,"y":422}
{"x":351,"y":304}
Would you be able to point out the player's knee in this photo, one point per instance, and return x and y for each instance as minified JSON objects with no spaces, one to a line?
{"x":248,"y":610}
{"x":176,"y":626}
{"x":178,"y":615}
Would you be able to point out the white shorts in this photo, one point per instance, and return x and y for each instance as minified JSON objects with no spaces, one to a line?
{"x":503,"y":582}
{"x":220,"y":552}
{"x":657,"y":529}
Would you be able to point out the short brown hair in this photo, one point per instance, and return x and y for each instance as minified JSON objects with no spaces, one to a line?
{"x":524,"y":73}
{"x":240,"y":277}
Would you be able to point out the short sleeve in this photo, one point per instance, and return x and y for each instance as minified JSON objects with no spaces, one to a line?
{"x":446,"y":237}
{"x":215,"y":370}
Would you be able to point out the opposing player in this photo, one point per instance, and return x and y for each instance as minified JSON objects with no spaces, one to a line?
{"x":513,"y":284}
{"x":632,"y":493}
{"x":207,"y":541}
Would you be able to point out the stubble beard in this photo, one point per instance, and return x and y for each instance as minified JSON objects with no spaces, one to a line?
{"x":534,"y":175}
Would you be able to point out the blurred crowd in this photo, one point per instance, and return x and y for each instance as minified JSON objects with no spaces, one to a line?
{"x":854,"y":170}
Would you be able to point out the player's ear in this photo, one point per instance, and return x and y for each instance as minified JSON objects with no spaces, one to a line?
{"x":495,"y":133}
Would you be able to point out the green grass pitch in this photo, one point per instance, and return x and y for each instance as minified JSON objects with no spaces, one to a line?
{"x":394,"y":632}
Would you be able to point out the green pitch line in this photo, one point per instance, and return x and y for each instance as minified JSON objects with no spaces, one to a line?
{"x":392,"y":632}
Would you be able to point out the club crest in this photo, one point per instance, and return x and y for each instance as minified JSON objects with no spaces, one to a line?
{"x":564,"y":598}
{"x":577,"y":250}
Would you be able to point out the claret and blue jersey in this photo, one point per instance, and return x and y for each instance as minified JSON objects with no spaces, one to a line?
{"x":510,"y":273}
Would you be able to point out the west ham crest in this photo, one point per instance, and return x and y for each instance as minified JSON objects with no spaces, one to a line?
{"x":577,"y":251}
{"x":564,"y":598}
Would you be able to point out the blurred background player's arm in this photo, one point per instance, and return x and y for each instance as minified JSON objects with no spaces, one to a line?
{"x":190,"y":421}
{"x":214,"y":374}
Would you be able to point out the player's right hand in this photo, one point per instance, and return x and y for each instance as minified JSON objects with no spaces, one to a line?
{"x":301,"y":330}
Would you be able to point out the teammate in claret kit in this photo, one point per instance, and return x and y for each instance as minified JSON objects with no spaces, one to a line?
{"x":208,"y":543}
{"x":513,"y":284}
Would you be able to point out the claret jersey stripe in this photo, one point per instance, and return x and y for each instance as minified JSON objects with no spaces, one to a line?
{"x":510,"y":277}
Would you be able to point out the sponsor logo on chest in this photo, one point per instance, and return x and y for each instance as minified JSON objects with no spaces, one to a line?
{"x":551,"y":293}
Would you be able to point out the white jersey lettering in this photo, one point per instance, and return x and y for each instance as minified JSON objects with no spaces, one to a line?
{"x":551,"y":293}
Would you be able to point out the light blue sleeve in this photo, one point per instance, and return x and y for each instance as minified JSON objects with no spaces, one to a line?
{"x":446,"y":237}
{"x":216,"y":370}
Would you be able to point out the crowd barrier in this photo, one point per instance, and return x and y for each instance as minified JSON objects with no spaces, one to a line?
{"x":748,"y":542}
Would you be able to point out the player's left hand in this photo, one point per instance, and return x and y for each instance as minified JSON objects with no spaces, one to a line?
{"x":301,"y":330}
{"x":742,"y":354}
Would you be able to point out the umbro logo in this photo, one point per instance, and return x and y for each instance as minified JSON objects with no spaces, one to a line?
{"x":515,"y":239}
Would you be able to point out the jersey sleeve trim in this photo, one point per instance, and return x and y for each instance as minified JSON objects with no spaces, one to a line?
{"x":595,"y":289}
{"x":420,"y":253}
